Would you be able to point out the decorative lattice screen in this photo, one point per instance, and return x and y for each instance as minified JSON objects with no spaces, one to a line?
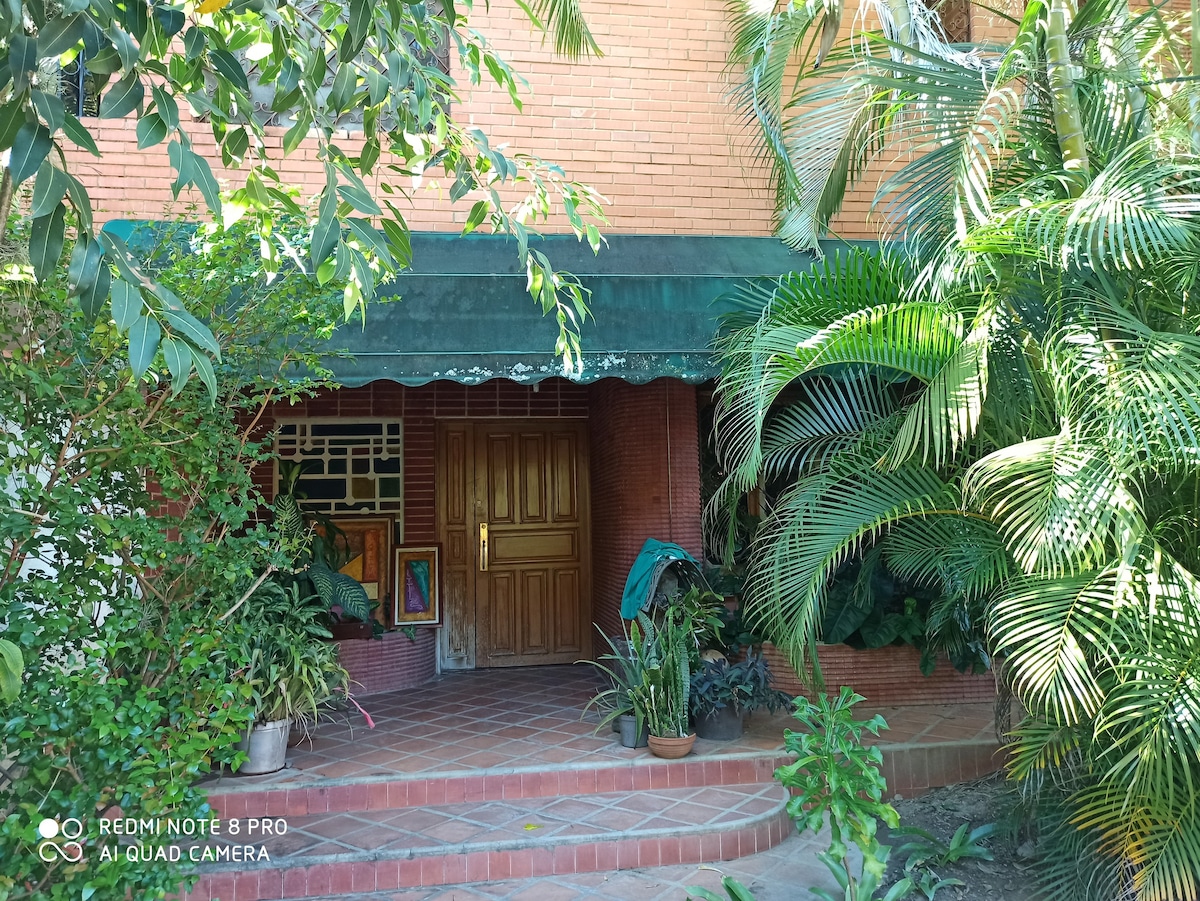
{"x":350,"y":466}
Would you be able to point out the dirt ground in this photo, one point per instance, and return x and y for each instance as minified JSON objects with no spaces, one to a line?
{"x":1008,"y":877}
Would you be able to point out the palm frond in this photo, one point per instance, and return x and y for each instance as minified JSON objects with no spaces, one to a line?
{"x":1139,"y":382}
{"x":1058,"y":502}
{"x":825,"y":417}
{"x":962,"y":555}
{"x":759,"y":361}
{"x":565,"y":21}
{"x":1054,"y":633}
{"x":814,"y":528}
{"x":947,"y":412}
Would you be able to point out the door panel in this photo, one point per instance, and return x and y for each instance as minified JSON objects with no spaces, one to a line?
{"x":527,"y":481}
{"x":456,"y":527}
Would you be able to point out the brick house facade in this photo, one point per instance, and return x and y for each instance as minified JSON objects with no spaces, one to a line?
{"x":648,"y":125}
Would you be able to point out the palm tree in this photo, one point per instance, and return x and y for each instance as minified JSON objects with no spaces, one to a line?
{"x":1007,"y":404}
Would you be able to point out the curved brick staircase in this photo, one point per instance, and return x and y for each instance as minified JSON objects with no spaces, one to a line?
{"x":492,"y":775}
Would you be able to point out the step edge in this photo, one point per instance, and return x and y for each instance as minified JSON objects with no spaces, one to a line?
{"x":516,"y":844}
{"x":340,"y":781}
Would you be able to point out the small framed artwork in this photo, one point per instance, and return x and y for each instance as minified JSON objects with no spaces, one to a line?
{"x":365,"y":543}
{"x":418,"y":586}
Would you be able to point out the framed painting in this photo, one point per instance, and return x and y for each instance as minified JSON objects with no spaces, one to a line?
{"x":418,"y":596}
{"x":365,"y":543}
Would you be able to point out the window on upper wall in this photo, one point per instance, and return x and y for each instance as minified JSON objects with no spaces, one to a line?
{"x":350,"y":465}
{"x":956,"y":20}
{"x":77,"y":89}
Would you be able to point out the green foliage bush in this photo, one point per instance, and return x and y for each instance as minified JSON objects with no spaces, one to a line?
{"x":128,"y":530}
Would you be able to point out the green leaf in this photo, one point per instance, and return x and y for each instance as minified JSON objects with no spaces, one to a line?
{"x":165,"y":106}
{"x":144,"y":336}
{"x":46,"y":242}
{"x":11,"y":666}
{"x":399,"y":241}
{"x":361,"y":18}
{"x":195,"y":330}
{"x":478,"y":213}
{"x":50,"y":108}
{"x":204,"y":369}
{"x":358,"y":198}
{"x":327,"y":228}
{"x":151,"y":130}
{"x":178,"y":357}
{"x":81,"y":202}
{"x":298,"y":132}
{"x":79,"y":135}
{"x":127,"y":304}
{"x":123,"y":97}
{"x":30,"y":146}
{"x":227,"y":66}
{"x":11,"y":119}
{"x":49,"y":189}
{"x":234,"y":148}
{"x":22,"y":60}
{"x":193,"y":42}
{"x":92,"y":296}
{"x":342,"y":91}
{"x":60,"y":35}
{"x":367,"y":234}
{"x":85,"y":263}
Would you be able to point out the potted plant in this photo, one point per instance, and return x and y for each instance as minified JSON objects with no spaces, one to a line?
{"x":290,"y":671}
{"x":623,"y":667}
{"x":662,"y":698}
{"x":313,"y":550}
{"x":722,"y":693}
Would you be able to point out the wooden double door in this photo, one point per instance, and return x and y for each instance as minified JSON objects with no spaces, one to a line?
{"x":512,"y":501}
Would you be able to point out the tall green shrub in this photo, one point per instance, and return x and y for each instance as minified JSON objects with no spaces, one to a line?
{"x":127,"y":535}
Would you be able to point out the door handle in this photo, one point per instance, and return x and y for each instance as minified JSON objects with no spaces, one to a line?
{"x":483,"y":547}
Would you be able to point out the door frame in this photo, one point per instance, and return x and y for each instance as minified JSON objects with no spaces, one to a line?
{"x":457,"y":515}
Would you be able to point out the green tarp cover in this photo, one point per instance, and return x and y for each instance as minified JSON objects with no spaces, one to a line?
{"x":652,"y":559}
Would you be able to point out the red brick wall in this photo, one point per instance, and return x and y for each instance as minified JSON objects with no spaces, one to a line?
{"x":885,"y":676}
{"x":389,"y":663}
{"x":645,"y":481}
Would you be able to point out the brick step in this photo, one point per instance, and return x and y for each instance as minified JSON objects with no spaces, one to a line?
{"x":391,"y":792}
{"x":369,"y":850}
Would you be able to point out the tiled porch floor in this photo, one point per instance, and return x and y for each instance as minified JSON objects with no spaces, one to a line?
{"x":516,"y":719}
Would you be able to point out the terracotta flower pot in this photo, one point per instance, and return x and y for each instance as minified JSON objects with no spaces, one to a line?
{"x":672,"y":748}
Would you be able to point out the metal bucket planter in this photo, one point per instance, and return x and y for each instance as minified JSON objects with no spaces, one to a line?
{"x":266,"y":747}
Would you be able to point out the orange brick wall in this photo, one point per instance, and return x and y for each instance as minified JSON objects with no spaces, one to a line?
{"x":645,"y":481}
{"x":885,"y":676}
{"x":646,"y":124}
{"x":389,"y":663}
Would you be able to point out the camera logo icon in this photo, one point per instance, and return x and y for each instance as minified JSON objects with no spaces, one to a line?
{"x":70,"y":849}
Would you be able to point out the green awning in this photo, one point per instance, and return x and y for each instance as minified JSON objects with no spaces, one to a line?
{"x":464,"y":313}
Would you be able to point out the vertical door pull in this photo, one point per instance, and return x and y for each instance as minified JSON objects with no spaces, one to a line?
{"x":483,"y":547}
